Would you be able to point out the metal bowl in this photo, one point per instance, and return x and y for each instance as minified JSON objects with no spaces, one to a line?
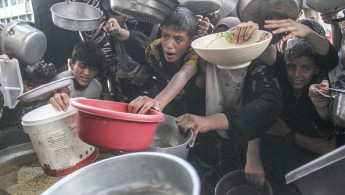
{"x":235,"y":183}
{"x":135,"y":173}
{"x":137,"y":11}
{"x":76,"y":16}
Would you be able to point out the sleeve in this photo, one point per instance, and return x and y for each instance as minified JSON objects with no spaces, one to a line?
{"x":191,"y":58}
{"x":261,"y":107}
{"x":135,"y":46}
{"x":328,"y":61}
{"x":152,"y":53}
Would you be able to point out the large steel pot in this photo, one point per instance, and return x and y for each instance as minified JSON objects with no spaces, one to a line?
{"x":168,"y":139}
{"x":260,"y":10}
{"x":76,"y":16}
{"x":20,"y":40}
{"x":337,"y":105}
{"x":146,"y":11}
{"x":135,"y":173}
{"x":329,"y":6}
{"x":201,"y":7}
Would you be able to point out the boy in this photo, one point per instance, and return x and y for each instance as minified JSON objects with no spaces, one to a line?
{"x":87,"y":61}
{"x":178,"y":62}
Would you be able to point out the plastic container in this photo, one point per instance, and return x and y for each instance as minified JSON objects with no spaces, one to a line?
{"x":11,"y":82}
{"x":54,"y":137}
{"x":107,"y":124}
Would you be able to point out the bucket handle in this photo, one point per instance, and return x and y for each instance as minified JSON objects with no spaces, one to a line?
{"x":324,"y":95}
{"x":191,"y":141}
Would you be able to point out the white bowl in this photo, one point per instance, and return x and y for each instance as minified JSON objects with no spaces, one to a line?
{"x":220,"y":49}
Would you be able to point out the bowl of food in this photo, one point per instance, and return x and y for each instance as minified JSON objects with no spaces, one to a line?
{"x":76,"y":16}
{"x":220,"y":49}
{"x":109,"y":125}
{"x":235,"y":183}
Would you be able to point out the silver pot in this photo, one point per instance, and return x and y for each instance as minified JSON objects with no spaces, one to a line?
{"x":168,"y":139}
{"x":201,"y":7}
{"x":76,"y":16}
{"x":137,"y":11}
{"x":337,"y":105}
{"x":329,"y":6}
{"x":135,"y":173}
{"x":20,"y":40}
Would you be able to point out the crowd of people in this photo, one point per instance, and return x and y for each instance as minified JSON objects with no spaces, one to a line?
{"x":266,"y":119}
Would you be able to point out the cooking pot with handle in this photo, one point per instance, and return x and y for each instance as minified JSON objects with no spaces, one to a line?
{"x":20,"y":40}
{"x":337,"y":105}
{"x":201,"y":7}
{"x":328,"y":7}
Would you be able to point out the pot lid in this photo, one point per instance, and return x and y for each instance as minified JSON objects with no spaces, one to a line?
{"x":47,"y":113}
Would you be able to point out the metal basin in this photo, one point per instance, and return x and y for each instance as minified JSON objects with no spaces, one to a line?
{"x":76,"y":16}
{"x":168,"y":139}
{"x":136,"y":173}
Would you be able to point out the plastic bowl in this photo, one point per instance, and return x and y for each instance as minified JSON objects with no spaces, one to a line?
{"x":107,"y":124}
{"x":235,"y":183}
{"x":220,"y":49}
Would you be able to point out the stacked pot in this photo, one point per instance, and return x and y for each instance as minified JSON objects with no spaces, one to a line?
{"x":149,"y":11}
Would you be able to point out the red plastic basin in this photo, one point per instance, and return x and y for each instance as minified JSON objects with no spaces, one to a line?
{"x":108,"y":124}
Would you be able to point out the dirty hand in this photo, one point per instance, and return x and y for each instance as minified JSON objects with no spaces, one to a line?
{"x":196,"y":123}
{"x":290,"y":27}
{"x":142,"y":104}
{"x":203,"y":25}
{"x":244,"y":30}
{"x":319,"y":100}
{"x":279,"y":128}
{"x":60,"y":101}
{"x":112,"y":26}
{"x":254,"y":171}
{"x":5,"y":57}
{"x":327,"y":18}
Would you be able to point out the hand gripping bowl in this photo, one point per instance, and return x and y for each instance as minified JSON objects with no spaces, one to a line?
{"x":137,"y":173}
{"x":107,"y":124}
{"x":220,"y":49}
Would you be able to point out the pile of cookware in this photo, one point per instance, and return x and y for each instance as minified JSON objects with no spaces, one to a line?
{"x":150,"y":11}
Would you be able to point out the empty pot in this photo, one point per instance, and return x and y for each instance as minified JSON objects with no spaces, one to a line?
{"x":20,"y":40}
{"x":168,"y":139}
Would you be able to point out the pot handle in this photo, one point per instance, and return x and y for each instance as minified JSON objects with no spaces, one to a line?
{"x":191,"y":141}
{"x":324,"y":95}
{"x":9,"y":28}
{"x":339,"y":19}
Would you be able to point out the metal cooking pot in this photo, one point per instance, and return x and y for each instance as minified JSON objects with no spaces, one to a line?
{"x":260,"y":10}
{"x":168,"y":139}
{"x":330,"y":6}
{"x":201,"y":7}
{"x":139,"y":11}
{"x":20,"y":40}
{"x":135,"y":173}
{"x":337,"y":105}
{"x":76,"y":16}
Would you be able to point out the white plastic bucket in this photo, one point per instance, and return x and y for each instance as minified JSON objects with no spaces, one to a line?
{"x":54,"y":137}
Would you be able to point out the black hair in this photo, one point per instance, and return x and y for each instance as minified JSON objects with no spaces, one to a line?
{"x":39,"y":73}
{"x":298,"y":47}
{"x":89,"y":53}
{"x":182,"y":19}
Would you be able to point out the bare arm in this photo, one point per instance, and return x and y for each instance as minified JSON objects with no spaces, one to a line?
{"x":113,"y":28}
{"x":200,"y":124}
{"x":317,"y":145}
{"x":177,"y":83}
{"x":143,"y":103}
{"x":254,"y":170}
{"x":295,"y":29}
{"x":336,"y":30}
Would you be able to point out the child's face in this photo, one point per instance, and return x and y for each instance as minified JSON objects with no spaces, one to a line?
{"x":174,"y":43}
{"x":83,"y":74}
{"x":300,"y":71}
